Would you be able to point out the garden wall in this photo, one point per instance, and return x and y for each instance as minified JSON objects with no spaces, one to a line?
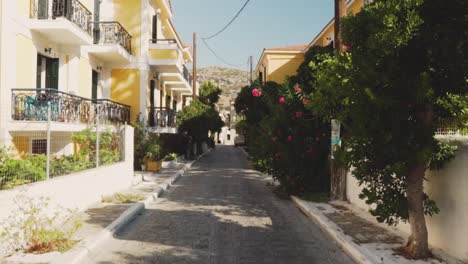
{"x":78,"y":190}
{"x":449,"y":188}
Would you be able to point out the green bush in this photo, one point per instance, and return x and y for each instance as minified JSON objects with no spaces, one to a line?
{"x":170,"y":157}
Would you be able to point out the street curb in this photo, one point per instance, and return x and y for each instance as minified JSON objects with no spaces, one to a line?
{"x":84,"y":248}
{"x":350,"y":247}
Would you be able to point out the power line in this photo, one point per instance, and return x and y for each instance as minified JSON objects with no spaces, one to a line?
{"x":219,"y":57}
{"x":228,"y":24}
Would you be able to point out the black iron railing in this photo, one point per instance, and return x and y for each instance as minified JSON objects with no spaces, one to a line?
{"x":72,"y":10}
{"x":161,"y":117}
{"x":112,"y":33}
{"x":187,"y":76}
{"x":163,"y":41}
{"x":32,"y":105}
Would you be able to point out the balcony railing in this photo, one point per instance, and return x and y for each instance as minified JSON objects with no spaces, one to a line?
{"x":72,"y":10}
{"x":32,"y":105}
{"x":112,"y":33}
{"x":161,"y":117}
{"x":163,"y":41}
{"x":187,"y":76}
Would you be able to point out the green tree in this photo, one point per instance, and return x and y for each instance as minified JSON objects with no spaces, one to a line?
{"x":209,"y":93}
{"x":406,"y":70}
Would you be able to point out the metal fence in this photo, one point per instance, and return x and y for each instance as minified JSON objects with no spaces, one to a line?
{"x":452,"y":132}
{"x":48,"y":149}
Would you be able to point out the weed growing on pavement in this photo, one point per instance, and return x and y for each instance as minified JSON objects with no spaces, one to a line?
{"x":120,"y":198}
{"x":35,"y":226}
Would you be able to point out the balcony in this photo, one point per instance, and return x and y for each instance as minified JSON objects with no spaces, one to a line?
{"x":162,"y":120}
{"x":65,"y":22}
{"x":30,"y":108}
{"x":113,"y":43}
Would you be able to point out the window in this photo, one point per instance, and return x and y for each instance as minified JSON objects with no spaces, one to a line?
{"x":39,"y":146}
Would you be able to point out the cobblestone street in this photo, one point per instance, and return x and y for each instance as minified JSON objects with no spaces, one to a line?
{"x":221,"y":212}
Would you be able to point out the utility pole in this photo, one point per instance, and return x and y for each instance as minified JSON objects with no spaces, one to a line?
{"x":251,"y":69}
{"x":338,"y":173}
{"x":340,"y":11}
{"x":194,"y":77}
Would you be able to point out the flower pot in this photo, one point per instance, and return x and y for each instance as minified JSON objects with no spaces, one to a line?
{"x":153,"y":166}
{"x":143,"y":167}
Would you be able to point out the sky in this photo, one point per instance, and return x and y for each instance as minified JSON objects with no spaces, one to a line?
{"x":262,"y":24}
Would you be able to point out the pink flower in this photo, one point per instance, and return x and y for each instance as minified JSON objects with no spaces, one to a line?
{"x":297,"y":88}
{"x":256,"y":92}
{"x":282,"y":100}
{"x":290,"y":138}
{"x":298,"y":114}
{"x":277,"y":155}
{"x":305,"y":101}
{"x":273,"y":139}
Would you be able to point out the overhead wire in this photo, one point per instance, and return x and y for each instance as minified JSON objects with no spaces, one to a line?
{"x":230,"y":22}
{"x":221,"y":31}
{"x":219,"y":57}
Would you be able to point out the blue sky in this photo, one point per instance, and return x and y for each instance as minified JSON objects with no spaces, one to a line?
{"x":264,"y":23}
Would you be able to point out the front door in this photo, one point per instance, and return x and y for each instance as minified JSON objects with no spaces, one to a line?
{"x":94,"y":86}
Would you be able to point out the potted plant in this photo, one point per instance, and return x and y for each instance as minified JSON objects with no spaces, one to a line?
{"x":152,"y":157}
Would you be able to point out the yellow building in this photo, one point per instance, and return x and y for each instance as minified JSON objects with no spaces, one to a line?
{"x":122,"y":59}
{"x":276,"y":64}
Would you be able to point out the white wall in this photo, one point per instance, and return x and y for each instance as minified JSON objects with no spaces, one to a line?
{"x":449,"y":188}
{"x":78,"y":190}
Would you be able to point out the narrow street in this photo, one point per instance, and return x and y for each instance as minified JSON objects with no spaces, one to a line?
{"x":221,"y":212}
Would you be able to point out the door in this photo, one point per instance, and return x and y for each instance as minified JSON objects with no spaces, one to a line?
{"x":52,"y":72}
{"x":168,"y":102}
{"x":152,"y":109}
{"x":43,"y":9}
{"x":174,"y":105}
{"x":94,"y":86}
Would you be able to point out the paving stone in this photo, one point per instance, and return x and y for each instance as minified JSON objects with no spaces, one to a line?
{"x":221,"y":212}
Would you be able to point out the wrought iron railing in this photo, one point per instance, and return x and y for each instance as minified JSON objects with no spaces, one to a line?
{"x":72,"y":10}
{"x":161,"y":117}
{"x":188,"y":77}
{"x":112,"y":112}
{"x":112,"y":33}
{"x":163,"y":41}
{"x":32,"y":105}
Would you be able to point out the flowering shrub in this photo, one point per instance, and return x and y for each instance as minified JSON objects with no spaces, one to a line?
{"x":281,"y":140}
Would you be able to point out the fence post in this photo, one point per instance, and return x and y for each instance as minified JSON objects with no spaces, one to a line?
{"x":97,"y":134}
{"x":49,"y":117}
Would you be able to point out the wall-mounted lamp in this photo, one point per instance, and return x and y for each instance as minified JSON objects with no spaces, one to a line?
{"x":99,"y":68}
{"x":48,"y":50}
{"x":329,"y":38}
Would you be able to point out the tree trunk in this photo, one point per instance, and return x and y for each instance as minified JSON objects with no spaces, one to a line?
{"x":338,"y":182}
{"x":417,"y":246}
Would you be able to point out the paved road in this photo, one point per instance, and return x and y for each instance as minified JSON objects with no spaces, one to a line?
{"x":221,"y":212}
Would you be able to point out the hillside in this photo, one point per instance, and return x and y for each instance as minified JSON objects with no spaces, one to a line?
{"x":229,"y":80}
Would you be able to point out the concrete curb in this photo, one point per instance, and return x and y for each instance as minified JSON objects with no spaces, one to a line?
{"x":346,"y":243}
{"x":84,"y":248}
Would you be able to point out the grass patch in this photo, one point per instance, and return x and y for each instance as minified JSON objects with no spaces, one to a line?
{"x":121,"y":198}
